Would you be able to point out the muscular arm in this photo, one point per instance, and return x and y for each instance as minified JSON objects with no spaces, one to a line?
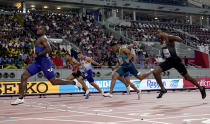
{"x":76,"y":62}
{"x":47,"y":47}
{"x":170,"y":38}
{"x":116,"y":66}
{"x":128,"y":52}
{"x":92,"y":61}
{"x":130,"y":46}
{"x":174,"y":38}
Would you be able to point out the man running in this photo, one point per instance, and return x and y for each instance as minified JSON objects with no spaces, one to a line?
{"x":126,"y":66}
{"x":126,"y":77}
{"x":42,"y":63}
{"x":88,"y":74}
{"x":76,"y":73}
{"x":172,"y":61}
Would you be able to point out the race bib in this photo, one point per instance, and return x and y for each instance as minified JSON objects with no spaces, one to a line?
{"x":166,"y":53}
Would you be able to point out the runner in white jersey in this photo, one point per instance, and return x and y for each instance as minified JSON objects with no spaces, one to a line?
{"x":88,"y":71}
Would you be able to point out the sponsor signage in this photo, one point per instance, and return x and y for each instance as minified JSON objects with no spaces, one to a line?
{"x":202,"y":81}
{"x":7,"y":88}
{"x":150,"y":84}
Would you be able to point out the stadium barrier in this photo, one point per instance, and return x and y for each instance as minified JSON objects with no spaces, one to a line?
{"x":45,"y":87}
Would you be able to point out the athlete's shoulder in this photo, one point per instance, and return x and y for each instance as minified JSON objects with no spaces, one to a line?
{"x":88,"y":59}
{"x":43,"y":38}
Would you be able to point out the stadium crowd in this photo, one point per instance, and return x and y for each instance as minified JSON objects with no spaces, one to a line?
{"x":92,"y":39}
{"x":87,"y":34}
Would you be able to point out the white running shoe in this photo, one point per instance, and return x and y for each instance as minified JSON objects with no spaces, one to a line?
{"x":107,"y":95}
{"x":128,"y":89}
{"x":102,"y":93}
{"x":87,"y":94}
{"x":78,"y":84}
{"x":139,"y":95}
{"x":17,"y":101}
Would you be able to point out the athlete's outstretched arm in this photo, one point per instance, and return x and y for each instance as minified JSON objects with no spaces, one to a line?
{"x":169,"y":37}
{"x":174,"y":38}
{"x":47,"y":47}
{"x":92,"y":61}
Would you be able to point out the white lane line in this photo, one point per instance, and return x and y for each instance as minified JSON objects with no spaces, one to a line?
{"x":179,"y":117}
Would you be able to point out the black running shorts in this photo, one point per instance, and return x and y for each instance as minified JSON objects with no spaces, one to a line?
{"x":77,"y":74}
{"x":174,"y":62}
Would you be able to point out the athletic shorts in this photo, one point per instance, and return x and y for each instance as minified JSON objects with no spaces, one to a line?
{"x":174,"y":62}
{"x":127,"y":74}
{"x":88,"y":75}
{"x":42,"y":64}
{"x":127,"y":67}
{"x":77,"y":74}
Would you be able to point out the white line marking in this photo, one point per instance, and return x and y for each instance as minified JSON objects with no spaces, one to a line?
{"x":179,"y":117}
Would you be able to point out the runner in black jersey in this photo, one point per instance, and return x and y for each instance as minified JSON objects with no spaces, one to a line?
{"x":172,"y":61}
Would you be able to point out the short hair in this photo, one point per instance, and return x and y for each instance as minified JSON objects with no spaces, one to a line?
{"x":113,"y":44}
{"x":67,"y":54}
{"x":44,"y":27}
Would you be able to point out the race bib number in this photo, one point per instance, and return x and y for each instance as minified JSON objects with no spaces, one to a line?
{"x":166,"y":53}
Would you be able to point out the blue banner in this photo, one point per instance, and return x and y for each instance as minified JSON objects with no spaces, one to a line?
{"x":104,"y":85}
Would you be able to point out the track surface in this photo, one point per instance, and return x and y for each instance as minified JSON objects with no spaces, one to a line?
{"x":179,"y":107}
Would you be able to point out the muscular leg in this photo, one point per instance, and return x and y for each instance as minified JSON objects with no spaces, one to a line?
{"x":96,"y":86}
{"x":81,"y":80}
{"x":23,"y":84}
{"x":193,"y":81}
{"x":70,"y":77}
{"x":114,"y":78}
{"x":157,"y":76}
{"x":55,"y":81}
{"x":143,"y":76}
{"x":122,"y":79}
{"x":131,"y":84}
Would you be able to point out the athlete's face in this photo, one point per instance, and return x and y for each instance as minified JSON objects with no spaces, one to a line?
{"x":114,"y":48}
{"x":41,"y":30}
{"x":79,"y":56}
{"x":67,"y":57}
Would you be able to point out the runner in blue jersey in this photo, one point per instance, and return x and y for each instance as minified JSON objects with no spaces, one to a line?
{"x":42,"y":63}
{"x":88,"y":71}
{"x":126,"y":66}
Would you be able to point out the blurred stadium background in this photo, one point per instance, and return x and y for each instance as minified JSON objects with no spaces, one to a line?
{"x":90,"y":26}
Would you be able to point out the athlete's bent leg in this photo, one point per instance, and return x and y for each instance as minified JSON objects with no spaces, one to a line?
{"x":122,"y":79}
{"x":143,"y":76}
{"x":70,"y":77}
{"x":193,"y":81}
{"x":131,"y":84}
{"x":81,"y":80}
{"x":55,"y":81}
